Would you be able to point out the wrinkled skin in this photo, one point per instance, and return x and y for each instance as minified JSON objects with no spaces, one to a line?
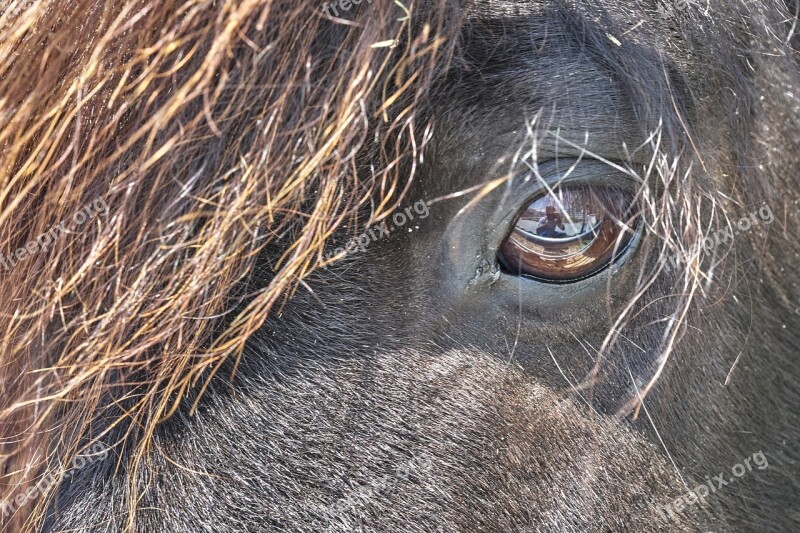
{"x":435,"y":392}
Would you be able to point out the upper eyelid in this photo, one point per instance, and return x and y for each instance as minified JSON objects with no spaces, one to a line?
{"x":525,"y":185}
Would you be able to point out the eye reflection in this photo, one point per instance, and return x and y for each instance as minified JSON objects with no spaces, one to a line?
{"x":570,"y":233}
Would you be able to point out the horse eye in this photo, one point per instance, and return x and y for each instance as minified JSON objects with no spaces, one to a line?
{"x":569,"y":233}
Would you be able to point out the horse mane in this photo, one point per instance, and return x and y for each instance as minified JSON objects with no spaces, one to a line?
{"x":211,"y":131}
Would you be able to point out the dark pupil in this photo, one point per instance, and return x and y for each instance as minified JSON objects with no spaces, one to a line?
{"x":568,"y":234}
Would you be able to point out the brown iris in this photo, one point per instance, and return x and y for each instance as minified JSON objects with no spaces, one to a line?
{"x":569,"y":233}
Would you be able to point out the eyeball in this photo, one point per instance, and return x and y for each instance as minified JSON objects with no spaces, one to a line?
{"x":569,"y":233}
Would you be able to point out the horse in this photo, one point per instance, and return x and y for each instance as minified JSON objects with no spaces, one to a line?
{"x":256,"y":268}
